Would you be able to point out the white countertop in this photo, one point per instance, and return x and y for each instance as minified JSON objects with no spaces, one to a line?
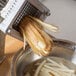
{"x":63,"y":14}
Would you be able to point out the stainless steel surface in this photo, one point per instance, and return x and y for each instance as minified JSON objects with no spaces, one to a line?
{"x":15,"y":10}
{"x":2,"y":46}
{"x":62,"y":48}
{"x":11,"y":13}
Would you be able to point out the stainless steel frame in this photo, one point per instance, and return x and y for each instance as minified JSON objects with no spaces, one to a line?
{"x":62,"y":48}
{"x":12,"y":13}
{"x":2,"y":46}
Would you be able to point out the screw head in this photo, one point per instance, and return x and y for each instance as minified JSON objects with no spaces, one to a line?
{"x":9,"y":31}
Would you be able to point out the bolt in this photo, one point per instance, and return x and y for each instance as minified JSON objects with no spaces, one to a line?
{"x":9,"y":30}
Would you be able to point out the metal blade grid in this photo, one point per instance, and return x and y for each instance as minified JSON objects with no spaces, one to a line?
{"x":28,"y":9}
{"x":2,"y":4}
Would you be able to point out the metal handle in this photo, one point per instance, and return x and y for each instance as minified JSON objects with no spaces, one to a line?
{"x":65,"y":43}
{"x":68,"y":45}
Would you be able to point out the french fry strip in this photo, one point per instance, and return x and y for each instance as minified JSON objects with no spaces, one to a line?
{"x":39,"y":41}
{"x":47,"y":26}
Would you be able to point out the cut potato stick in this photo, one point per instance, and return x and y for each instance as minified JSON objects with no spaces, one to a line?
{"x":38,"y":40}
{"x":52,"y":68}
{"x":39,"y":68}
{"x":60,"y":69}
{"x":24,"y":38}
{"x":46,"y":25}
{"x":51,"y":61}
{"x":59,"y":72}
{"x":63,"y":66}
{"x":50,"y":71}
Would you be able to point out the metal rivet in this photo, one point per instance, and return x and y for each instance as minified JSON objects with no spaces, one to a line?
{"x":9,"y":30}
